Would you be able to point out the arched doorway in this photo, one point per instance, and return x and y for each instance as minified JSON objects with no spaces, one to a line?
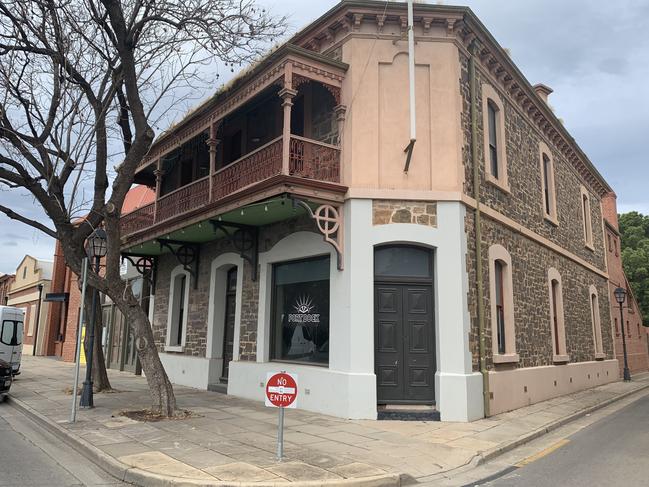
{"x":404,"y":325}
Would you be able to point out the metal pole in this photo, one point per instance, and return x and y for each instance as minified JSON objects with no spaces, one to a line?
{"x":87,"y":400}
{"x":627,"y":374}
{"x":280,"y":435}
{"x":411,"y":71}
{"x":84,"y":274}
{"x":38,"y":317}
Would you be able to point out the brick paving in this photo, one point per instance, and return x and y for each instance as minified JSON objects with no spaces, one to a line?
{"x":235,"y":439}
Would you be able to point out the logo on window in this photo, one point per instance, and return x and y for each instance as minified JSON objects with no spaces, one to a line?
{"x":304,"y":305}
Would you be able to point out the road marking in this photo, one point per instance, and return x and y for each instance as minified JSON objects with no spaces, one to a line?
{"x":542,"y":453}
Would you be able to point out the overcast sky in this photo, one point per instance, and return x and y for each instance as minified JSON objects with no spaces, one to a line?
{"x":594,"y":54}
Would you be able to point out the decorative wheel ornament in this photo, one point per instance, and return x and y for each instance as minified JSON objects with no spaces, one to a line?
{"x":327,"y":219}
{"x":243,"y":240}
{"x":185,"y":255}
{"x":144,"y":265}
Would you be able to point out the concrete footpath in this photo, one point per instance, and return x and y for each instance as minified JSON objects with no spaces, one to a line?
{"x":231,"y":441}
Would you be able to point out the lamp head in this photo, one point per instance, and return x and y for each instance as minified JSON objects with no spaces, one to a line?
{"x":96,"y":244}
{"x":620,"y":294}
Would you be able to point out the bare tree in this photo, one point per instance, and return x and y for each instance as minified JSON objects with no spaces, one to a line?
{"x":83,"y":83}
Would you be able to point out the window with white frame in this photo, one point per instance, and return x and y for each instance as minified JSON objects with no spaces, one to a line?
{"x":502,"y":305}
{"x":178,"y":309}
{"x":493,"y":122}
{"x":586,"y":217}
{"x":597,"y":325}
{"x":557,"y":324}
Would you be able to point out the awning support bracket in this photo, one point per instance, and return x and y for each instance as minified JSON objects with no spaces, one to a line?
{"x":145,"y":265}
{"x":186,"y":253}
{"x":329,"y":220}
{"x":244,"y":238}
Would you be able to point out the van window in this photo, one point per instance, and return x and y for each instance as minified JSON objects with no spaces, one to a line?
{"x":11,"y":333}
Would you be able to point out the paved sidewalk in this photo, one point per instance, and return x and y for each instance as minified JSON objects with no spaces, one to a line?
{"x":233,"y":440}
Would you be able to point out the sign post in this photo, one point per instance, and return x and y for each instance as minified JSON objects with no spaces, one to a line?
{"x":84,"y":276}
{"x":281,"y":393}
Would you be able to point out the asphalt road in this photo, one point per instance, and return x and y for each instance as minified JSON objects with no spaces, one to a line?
{"x":29,"y":456}
{"x":611,"y":452}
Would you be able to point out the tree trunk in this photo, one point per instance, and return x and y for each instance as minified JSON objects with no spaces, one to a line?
{"x":160,"y":388}
{"x":99,"y":374}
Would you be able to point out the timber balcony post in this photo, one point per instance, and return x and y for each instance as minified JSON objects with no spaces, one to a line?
{"x":287,"y":94}
{"x":158,"y":184}
{"x":213,"y":143}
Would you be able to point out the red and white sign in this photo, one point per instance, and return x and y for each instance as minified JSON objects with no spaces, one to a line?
{"x":281,"y":390}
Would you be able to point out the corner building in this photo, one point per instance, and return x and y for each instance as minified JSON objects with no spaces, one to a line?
{"x":286,"y":234}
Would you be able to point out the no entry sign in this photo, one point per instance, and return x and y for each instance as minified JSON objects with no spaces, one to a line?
{"x":281,"y":390}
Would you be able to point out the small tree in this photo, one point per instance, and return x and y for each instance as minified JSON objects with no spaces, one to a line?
{"x":82,"y":84}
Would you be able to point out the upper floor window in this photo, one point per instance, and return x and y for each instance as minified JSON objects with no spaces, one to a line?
{"x":586,"y":217}
{"x":557,"y":323}
{"x":493,"y":123}
{"x":492,"y":117}
{"x":547,"y":184}
{"x":502,"y":305}
{"x":617,"y":328}
{"x":24,"y":272}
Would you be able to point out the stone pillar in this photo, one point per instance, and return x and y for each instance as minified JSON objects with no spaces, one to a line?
{"x":287,"y":95}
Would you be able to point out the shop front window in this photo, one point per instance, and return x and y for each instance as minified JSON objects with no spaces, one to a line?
{"x":300,"y":318}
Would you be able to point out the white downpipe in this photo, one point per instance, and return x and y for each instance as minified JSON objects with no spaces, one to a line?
{"x":411,"y":71}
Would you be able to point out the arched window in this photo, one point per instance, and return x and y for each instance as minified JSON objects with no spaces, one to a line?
{"x":178,"y":310}
{"x":597,"y":325}
{"x":493,"y":122}
{"x":557,"y":324}
{"x":502,"y":305}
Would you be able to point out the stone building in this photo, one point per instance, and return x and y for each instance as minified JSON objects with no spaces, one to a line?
{"x":31,"y":284}
{"x":637,"y":340}
{"x":291,"y":231}
{"x":6,"y":280}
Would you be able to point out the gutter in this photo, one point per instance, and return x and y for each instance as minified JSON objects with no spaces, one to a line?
{"x":478,"y":228}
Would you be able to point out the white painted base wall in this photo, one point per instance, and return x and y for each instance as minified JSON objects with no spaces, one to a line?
{"x":508,"y":386}
{"x":320,"y":389}
{"x":186,"y":370}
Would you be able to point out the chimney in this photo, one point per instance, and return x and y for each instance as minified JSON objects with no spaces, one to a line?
{"x":543,"y":91}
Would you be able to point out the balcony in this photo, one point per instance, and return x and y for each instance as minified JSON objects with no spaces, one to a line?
{"x":273,"y":131}
{"x":308,"y":159}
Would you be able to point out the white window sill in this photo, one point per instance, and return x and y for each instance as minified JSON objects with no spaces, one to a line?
{"x":560,"y":359}
{"x":506,"y":358}
{"x":498,"y":183}
{"x":551,"y":219}
{"x":600,"y":356}
{"x":174,"y":348}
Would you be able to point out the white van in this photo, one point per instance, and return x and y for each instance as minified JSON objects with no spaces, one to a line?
{"x":11,"y":336}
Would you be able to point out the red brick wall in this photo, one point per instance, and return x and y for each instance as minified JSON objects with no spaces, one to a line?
{"x":56,"y":311}
{"x":636,"y":341}
{"x":69,"y":345}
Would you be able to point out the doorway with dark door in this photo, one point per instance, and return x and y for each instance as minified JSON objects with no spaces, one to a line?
{"x":404,"y":325}
{"x":228,"y":330}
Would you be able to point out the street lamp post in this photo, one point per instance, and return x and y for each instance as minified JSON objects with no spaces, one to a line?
{"x":95,"y":248}
{"x":620,"y":296}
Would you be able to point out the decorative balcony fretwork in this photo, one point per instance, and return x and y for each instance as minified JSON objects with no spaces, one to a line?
{"x":314,"y":160}
{"x":182,"y":200}
{"x":138,"y":219}
{"x":145,"y":265}
{"x":244,"y":238}
{"x":261,"y":164}
{"x":186,"y":253}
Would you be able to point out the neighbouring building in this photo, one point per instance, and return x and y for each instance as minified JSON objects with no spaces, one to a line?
{"x":637,"y":340}
{"x":6,"y":280}
{"x":31,"y":284}
{"x":291,"y":231}
{"x":65,"y":301}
